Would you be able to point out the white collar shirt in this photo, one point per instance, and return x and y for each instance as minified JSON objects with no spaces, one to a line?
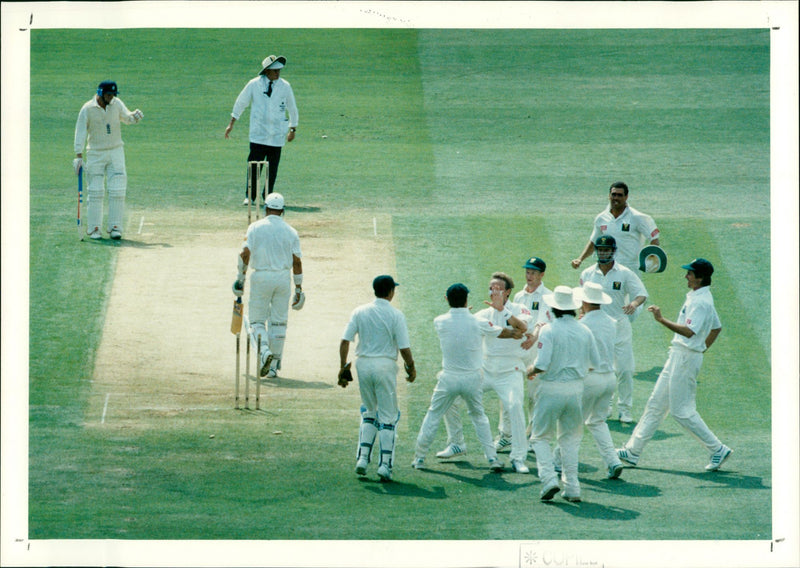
{"x":566,"y":350}
{"x":540,"y":311}
{"x":270,"y":116}
{"x":507,"y":348}
{"x":604,"y":330}
{"x":381,"y":329}
{"x":698,"y":314}
{"x":621,"y":283}
{"x":461,"y":339}
{"x":272,"y":243}
{"x":632,"y":230}
{"x":99,"y":128}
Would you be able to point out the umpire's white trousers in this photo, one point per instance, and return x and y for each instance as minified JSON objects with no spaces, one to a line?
{"x":268,"y":309}
{"x":598,"y":390}
{"x":676,"y":393}
{"x":449,"y":387}
{"x":377,"y":383}
{"x":558,"y":413}
{"x":105,"y":167}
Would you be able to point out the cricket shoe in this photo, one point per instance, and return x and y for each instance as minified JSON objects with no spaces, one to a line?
{"x":246,"y":202}
{"x":549,"y":491}
{"x":115,"y":233}
{"x":571,"y":498}
{"x":628,"y":456}
{"x":718,"y":458}
{"x":95,"y":233}
{"x":502,"y":445}
{"x":496,"y":465}
{"x":266,"y":361}
{"x":451,"y":451}
{"x":519,"y":466}
{"x":385,"y":472}
{"x":418,"y":463}
{"x":614,"y":471}
{"x":625,"y":417}
{"x":361,"y":466}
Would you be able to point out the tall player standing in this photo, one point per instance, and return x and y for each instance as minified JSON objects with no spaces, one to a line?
{"x":98,"y":128}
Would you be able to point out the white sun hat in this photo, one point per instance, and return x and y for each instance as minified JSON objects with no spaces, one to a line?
{"x":273,"y":62}
{"x":562,"y":299}
{"x":591,"y":293}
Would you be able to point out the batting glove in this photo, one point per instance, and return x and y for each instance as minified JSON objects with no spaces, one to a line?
{"x":299,"y":299}
{"x":238,"y":288}
{"x":77,"y":164}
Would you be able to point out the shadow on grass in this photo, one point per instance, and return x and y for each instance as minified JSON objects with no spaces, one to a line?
{"x":124,"y":243}
{"x":289,"y":383}
{"x":588,"y":510}
{"x":622,"y":486}
{"x":402,"y":489}
{"x":622,"y":428}
{"x":304,"y":208}
{"x":650,"y":376}
{"x":488,"y":479}
{"x":716,"y":479}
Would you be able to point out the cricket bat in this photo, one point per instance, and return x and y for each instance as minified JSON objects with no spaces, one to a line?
{"x":236,"y":319}
{"x":80,"y":201}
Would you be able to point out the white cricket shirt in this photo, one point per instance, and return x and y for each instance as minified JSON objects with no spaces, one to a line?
{"x":699,"y":315}
{"x":272,"y":242}
{"x":381,"y":330}
{"x":566,"y":350}
{"x":461,"y":339}
{"x":101,"y":125}
{"x":270,"y":116}
{"x":540,"y":311}
{"x":632,"y":230}
{"x":604,"y":331}
{"x":621,"y":283}
{"x":495,"y":347}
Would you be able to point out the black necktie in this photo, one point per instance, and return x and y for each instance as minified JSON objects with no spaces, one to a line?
{"x":269,"y":89}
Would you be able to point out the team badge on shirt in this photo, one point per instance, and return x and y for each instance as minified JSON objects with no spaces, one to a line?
{"x":535,"y":306}
{"x":626,"y":227}
{"x":617,"y":285}
{"x":604,"y":228}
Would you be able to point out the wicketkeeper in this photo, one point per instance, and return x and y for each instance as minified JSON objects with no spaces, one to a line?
{"x":272,"y":250}
{"x":98,"y":127}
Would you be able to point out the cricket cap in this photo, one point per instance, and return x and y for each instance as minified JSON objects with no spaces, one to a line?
{"x":535,"y":263}
{"x":383,"y":284}
{"x":107,"y":87}
{"x":457,"y":294}
{"x":275,"y":201}
{"x":701,"y":267}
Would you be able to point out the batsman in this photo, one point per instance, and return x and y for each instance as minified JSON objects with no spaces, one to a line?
{"x":98,"y":127}
{"x":272,"y":250}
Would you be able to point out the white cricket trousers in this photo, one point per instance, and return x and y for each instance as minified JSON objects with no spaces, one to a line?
{"x":624,"y":364}
{"x":558,"y":412}
{"x":105,"y":167}
{"x":377,"y":383}
{"x":449,"y":387}
{"x":268,"y":309}
{"x":675,"y":393}
{"x":598,"y":390}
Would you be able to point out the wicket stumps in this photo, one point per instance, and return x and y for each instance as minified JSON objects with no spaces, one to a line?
{"x":256,"y":172}
{"x":247,"y":377}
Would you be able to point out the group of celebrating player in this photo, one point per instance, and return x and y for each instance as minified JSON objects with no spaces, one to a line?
{"x":554,"y":359}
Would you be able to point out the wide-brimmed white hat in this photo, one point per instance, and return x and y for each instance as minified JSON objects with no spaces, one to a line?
{"x":562,"y":299}
{"x":273,"y":62}
{"x":591,"y":293}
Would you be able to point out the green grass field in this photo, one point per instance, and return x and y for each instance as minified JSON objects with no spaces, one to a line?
{"x":479,"y":162}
